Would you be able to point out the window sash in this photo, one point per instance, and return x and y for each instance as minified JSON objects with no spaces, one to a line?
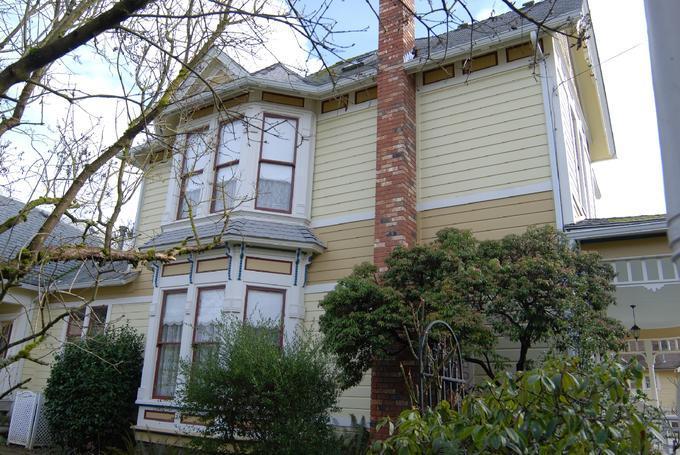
{"x":168,"y":344}
{"x":196,"y":157}
{"x":225,"y":190}
{"x":96,"y":324}
{"x":276,"y":194}
{"x":205,"y":323}
{"x":74,"y":328}
{"x":253,"y":306}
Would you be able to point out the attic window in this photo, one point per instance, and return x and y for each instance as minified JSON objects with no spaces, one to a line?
{"x":480,"y":62}
{"x":438,"y":74}
{"x":283,"y":99}
{"x":519,"y":51}
{"x":368,"y":94}
{"x":334,"y":104}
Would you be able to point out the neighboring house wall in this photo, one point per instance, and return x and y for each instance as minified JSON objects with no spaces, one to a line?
{"x":647,"y":278}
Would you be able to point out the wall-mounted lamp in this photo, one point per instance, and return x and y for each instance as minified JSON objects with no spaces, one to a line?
{"x":635,"y":330}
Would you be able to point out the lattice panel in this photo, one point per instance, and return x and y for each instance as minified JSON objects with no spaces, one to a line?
{"x":23,"y":414}
{"x":41,"y":431}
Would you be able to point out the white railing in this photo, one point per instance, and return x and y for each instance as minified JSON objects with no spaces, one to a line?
{"x":650,"y":271}
{"x":660,"y":345}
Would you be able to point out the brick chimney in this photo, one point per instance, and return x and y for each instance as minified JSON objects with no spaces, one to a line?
{"x":395,"y":204}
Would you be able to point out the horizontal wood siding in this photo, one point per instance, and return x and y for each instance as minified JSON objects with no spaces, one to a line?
{"x":490,"y":219}
{"x":347,"y":244}
{"x":152,"y":201}
{"x":486,"y":135}
{"x":649,"y":246}
{"x":357,"y":400}
{"x":344,"y":164}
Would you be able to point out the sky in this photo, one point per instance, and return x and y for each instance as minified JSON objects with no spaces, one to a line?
{"x":632,"y":183}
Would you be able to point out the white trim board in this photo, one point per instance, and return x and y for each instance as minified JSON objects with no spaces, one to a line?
{"x":342,"y":219}
{"x":319,"y":288}
{"x":485,"y":196}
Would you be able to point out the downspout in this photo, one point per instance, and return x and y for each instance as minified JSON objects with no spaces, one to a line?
{"x":550,"y":123}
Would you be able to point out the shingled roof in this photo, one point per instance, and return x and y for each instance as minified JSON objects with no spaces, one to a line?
{"x":240,"y":229}
{"x":463,"y":36}
{"x":68,"y":274}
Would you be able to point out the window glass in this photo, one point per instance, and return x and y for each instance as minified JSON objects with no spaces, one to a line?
{"x":197,"y":154}
{"x":209,"y":305}
{"x":191,"y":196}
{"x":75,"y":325}
{"x":5,"y":334}
{"x":278,"y":139}
{"x":274,"y":187}
{"x":97,"y":322}
{"x":229,"y":149}
{"x":169,"y":340}
{"x":265,"y":306}
{"x":226,"y":187}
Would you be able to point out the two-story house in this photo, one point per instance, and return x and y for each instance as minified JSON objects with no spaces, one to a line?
{"x":491,"y":127}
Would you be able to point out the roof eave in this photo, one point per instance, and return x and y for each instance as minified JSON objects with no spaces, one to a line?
{"x":129,"y":278}
{"x":614,"y":231}
{"x":258,"y":242}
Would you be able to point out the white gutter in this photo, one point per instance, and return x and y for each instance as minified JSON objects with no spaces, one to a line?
{"x":628,"y":230}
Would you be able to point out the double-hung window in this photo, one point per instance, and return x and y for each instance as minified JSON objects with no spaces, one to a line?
{"x":194,"y":161}
{"x":169,"y":343}
{"x":227,"y":176}
{"x":208,"y":307}
{"x":277,"y":164}
{"x":265,"y":306}
{"x":74,"y":329}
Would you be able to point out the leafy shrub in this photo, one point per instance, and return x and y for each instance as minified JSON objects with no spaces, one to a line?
{"x":257,"y":397}
{"x":91,"y":391}
{"x":560,"y":408}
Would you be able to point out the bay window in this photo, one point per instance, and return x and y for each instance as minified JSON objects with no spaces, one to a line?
{"x":195,"y":160}
{"x":226,"y":180}
{"x":169,"y":343}
{"x":208,"y":309}
{"x":277,"y":163}
{"x":264,"y":306}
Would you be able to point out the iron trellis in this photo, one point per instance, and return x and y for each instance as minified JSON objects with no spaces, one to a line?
{"x":440,"y":366}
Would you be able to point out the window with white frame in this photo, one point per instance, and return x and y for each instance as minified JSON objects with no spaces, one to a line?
{"x":212,"y":171}
{"x":90,"y":321}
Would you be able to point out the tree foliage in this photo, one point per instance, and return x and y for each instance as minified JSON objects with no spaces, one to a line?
{"x":530,"y":288}
{"x":257,"y":397}
{"x":91,"y":391}
{"x":564,"y":407}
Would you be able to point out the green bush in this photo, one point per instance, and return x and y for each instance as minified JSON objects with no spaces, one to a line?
{"x":91,"y":391}
{"x":257,"y":397}
{"x":560,"y":408}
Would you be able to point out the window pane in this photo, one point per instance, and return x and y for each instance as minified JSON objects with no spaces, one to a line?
{"x":168,"y":366}
{"x":278,"y":139}
{"x":209,"y":308}
{"x":264,"y":306}
{"x":274,"y":187}
{"x":192,"y":194}
{"x":169,"y":341}
{"x":75,"y":325}
{"x":197,"y":153}
{"x":230,"y":142}
{"x":226,"y":187}
{"x":97,"y":322}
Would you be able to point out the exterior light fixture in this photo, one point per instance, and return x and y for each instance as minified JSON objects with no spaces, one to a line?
{"x":635,"y":330}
